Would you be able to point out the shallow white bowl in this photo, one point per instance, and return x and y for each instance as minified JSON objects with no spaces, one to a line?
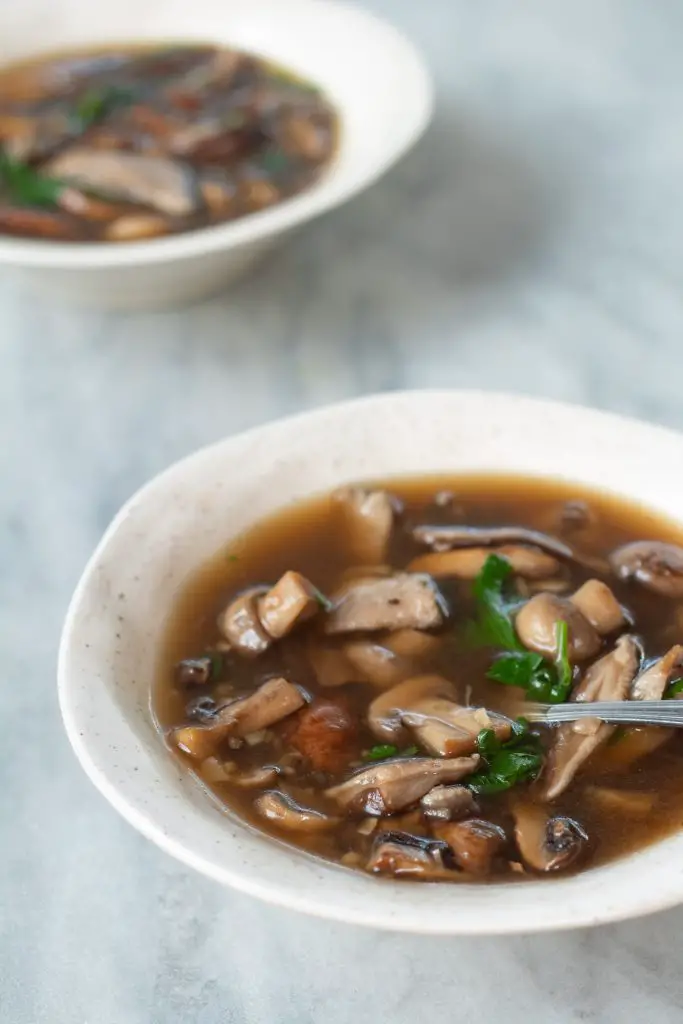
{"x":372,"y":74}
{"x":116,"y":620}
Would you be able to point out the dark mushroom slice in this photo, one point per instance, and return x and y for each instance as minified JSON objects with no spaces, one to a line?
{"x":291,"y":601}
{"x":402,"y":854}
{"x":272,"y":702}
{"x":443,"y":538}
{"x":393,"y":785}
{"x":547,"y":844}
{"x":599,"y":606}
{"x":385,"y":712}
{"x":282,"y":810}
{"x":162,"y":184}
{"x":475,"y":843}
{"x":40,"y":223}
{"x":653,"y":563}
{"x":449,"y":803}
{"x":241,"y":624}
{"x":402,"y":601}
{"x":369,"y":519}
{"x":610,"y":678}
{"x":466,"y":563}
{"x":536,"y":625}
{"x":447,"y":729}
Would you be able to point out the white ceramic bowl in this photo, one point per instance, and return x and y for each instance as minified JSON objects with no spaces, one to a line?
{"x":372,"y":74}
{"x":112,"y":635}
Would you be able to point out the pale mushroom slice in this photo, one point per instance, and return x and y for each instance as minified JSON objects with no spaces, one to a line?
{"x":401,"y":601}
{"x":385,"y":713}
{"x":446,"y":729}
{"x":547,"y":844}
{"x":653,"y":563}
{"x":272,"y":702}
{"x":474,"y":843}
{"x":402,"y":854}
{"x":291,"y":601}
{"x":635,"y":744}
{"x":449,"y":803}
{"x":166,"y":185}
{"x":398,"y":783}
{"x":536,"y":626}
{"x":466,"y":563}
{"x":241,"y":624}
{"x":599,"y":606}
{"x":282,"y":810}
{"x":369,"y":517}
{"x":389,"y":659}
{"x":610,"y":678}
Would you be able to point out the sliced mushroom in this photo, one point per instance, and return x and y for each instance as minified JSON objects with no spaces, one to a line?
{"x":443,"y":538}
{"x":413,"y":644}
{"x":393,"y":785}
{"x":166,"y":185}
{"x":466,"y":563}
{"x":406,"y":600}
{"x":241,"y":625}
{"x":385,"y":713}
{"x":402,"y":854}
{"x":547,"y":844}
{"x":475,"y":843}
{"x":272,"y":702}
{"x":599,"y":606}
{"x":282,"y":810}
{"x":536,"y":625}
{"x":651,"y":684}
{"x":610,"y":678}
{"x":449,"y":803}
{"x":654,"y":563}
{"x":136,"y":227}
{"x":447,"y":729}
{"x":330,"y":665}
{"x":291,"y":601}
{"x":376,"y":663}
{"x":369,"y":519}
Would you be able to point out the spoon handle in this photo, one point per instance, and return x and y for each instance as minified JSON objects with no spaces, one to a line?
{"x":632,"y":712}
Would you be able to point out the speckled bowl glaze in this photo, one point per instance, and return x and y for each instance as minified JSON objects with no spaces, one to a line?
{"x":114,"y":626}
{"x":374,"y":76}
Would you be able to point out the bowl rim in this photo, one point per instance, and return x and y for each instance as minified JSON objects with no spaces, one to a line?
{"x":324,"y":195}
{"x":376,"y":914}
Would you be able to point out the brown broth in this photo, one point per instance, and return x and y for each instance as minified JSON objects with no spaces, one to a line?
{"x":310,"y":538}
{"x":125,"y":143}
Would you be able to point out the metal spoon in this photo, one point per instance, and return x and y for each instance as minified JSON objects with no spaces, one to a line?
{"x":632,"y":712}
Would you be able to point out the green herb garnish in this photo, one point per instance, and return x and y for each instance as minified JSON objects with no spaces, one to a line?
{"x":517,"y":760}
{"x":323,"y":601}
{"x":493,"y":626}
{"x":96,"y":104}
{"x":274,"y":162}
{"x":26,"y":186}
{"x":383,"y":751}
{"x":674,"y":689}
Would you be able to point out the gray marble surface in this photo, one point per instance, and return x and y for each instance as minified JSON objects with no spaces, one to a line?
{"x":534,"y":242}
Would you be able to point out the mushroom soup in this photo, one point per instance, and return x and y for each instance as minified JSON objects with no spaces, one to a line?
{"x":124,"y":144}
{"x":350,"y":676}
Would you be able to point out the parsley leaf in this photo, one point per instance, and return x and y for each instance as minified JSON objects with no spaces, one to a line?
{"x":493,"y":624}
{"x":96,"y":104}
{"x":674,"y":689}
{"x":26,"y":186}
{"x":517,"y":760}
{"x":386,"y":750}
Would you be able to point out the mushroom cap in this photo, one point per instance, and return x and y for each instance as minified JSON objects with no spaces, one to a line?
{"x":655,"y":564}
{"x":547,"y":844}
{"x":536,"y":625}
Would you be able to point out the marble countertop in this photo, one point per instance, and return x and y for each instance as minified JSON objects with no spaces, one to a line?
{"x":533,"y":242}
